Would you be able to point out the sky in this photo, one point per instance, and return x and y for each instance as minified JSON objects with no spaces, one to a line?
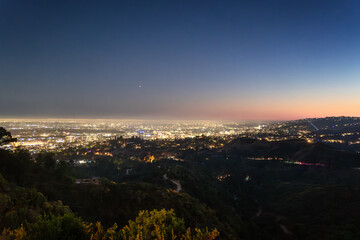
{"x":230,"y":60}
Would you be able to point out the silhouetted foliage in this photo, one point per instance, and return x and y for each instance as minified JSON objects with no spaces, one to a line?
{"x":5,"y":136}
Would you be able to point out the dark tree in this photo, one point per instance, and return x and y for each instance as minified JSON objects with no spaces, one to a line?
{"x":5,"y":136}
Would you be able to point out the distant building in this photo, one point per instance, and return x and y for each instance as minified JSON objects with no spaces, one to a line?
{"x":94,"y":181}
{"x":130,"y":171}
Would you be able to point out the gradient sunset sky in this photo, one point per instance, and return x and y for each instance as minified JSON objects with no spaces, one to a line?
{"x":238,"y":60}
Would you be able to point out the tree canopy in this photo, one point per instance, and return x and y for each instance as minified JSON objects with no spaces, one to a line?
{"x":5,"y":136}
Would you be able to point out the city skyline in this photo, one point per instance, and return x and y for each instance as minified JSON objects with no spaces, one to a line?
{"x":232,"y":60}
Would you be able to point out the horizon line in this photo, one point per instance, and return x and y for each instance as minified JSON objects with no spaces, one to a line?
{"x":7,"y":118}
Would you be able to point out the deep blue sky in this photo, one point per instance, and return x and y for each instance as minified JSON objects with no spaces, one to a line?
{"x":193,"y":59}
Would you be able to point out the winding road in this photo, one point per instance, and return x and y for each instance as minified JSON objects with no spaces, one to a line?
{"x":176,"y":182}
